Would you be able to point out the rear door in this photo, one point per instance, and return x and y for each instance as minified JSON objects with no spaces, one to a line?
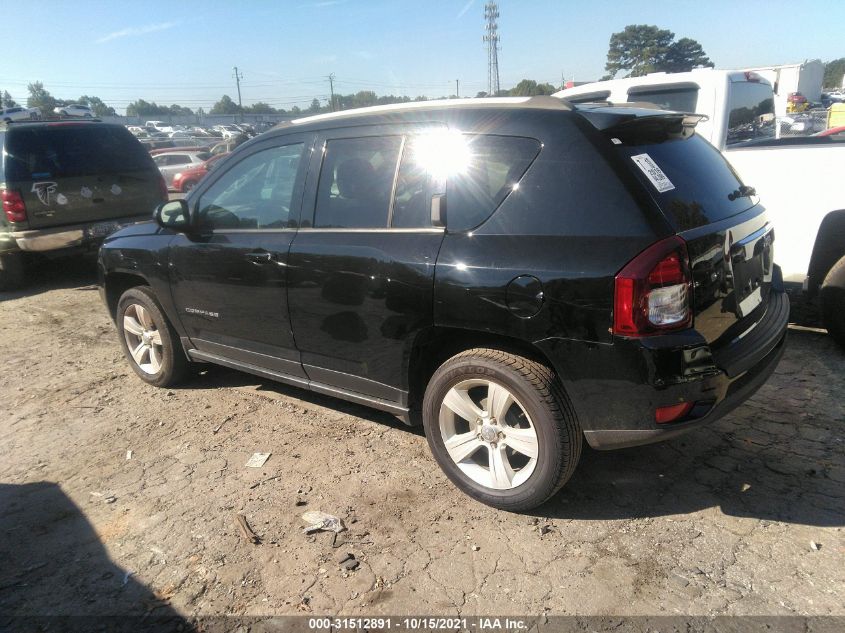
{"x":361,"y":268}
{"x":71,"y":173}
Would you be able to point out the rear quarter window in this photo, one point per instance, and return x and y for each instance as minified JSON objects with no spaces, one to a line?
{"x":494,"y":168}
{"x":67,"y":151}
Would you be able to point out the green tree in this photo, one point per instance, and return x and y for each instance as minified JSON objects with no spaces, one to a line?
{"x":6,"y":100}
{"x":260,"y":108}
{"x":530,"y":88}
{"x":833,"y":73}
{"x":145,"y":108}
{"x":315,"y":105}
{"x":684,"y":55}
{"x":180,"y":110}
{"x":39,"y":97}
{"x":225,"y":106}
{"x":96,"y":104}
{"x":641,"y":49}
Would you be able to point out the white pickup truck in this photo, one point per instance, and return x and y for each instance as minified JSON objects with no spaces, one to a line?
{"x":798,"y":179}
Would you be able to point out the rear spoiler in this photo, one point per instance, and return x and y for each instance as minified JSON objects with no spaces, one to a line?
{"x":639,"y":125}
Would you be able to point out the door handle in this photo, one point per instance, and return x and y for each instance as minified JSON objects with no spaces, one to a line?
{"x":259,"y":257}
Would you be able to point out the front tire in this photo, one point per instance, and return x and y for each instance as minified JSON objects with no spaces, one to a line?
{"x":149,"y":342}
{"x":501,"y":428}
{"x":833,"y":313}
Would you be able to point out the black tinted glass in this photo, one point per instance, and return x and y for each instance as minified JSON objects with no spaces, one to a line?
{"x":256,"y":193}
{"x":678,"y":99}
{"x":493,"y":168}
{"x":751,"y":112}
{"x":412,"y":200}
{"x":75,"y":150}
{"x":356,"y":181}
{"x":692,"y":182}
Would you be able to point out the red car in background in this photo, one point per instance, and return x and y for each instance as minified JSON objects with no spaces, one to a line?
{"x":186,"y":180}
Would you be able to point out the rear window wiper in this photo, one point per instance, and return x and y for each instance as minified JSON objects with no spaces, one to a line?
{"x":742,"y":192}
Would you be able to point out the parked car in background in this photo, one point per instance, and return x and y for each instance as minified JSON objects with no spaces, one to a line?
{"x":171,"y":163}
{"x":19,"y":113}
{"x":65,"y":186}
{"x":798,"y":177}
{"x":74,"y":110}
{"x":187,"y":179}
{"x":517,"y":273}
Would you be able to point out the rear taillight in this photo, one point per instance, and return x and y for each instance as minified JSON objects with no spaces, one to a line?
{"x":13,"y":205}
{"x":652,"y":293}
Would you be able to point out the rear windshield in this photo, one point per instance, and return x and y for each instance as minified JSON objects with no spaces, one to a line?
{"x":73,"y":150}
{"x":691,"y":181}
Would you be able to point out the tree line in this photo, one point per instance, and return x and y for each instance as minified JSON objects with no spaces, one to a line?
{"x":637,"y":50}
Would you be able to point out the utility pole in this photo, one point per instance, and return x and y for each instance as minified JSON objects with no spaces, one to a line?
{"x":238,"y":77}
{"x":331,"y":89}
{"x":491,"y":14}
{"x":458,"y":88}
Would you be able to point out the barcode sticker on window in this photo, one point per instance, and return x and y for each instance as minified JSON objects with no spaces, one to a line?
{"x":653,"y":172}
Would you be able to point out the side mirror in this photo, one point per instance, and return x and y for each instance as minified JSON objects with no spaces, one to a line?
{"x":438,"y":209}
{"x":173,"y":215}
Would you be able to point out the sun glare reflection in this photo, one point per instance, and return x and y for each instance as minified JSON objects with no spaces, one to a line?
{"x":443,"y":153}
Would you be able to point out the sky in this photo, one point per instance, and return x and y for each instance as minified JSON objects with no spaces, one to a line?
{"x":184,"y":52}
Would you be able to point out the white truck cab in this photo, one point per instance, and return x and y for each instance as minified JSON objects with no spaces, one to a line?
{"x":798,"y":179}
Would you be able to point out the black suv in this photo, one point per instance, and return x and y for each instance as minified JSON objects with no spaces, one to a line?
{"x":65,"y":185}
{"x":519,"y":274}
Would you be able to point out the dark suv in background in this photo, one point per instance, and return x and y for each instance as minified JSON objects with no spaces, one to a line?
{"x":519,"y":274}
{"x":65,"y":186}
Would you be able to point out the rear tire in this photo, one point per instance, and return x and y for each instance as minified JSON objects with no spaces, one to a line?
{"x":833,"y":313}
{"x":11,"y":271}
{"x":513,"y":438}
{"x":149,"y":341}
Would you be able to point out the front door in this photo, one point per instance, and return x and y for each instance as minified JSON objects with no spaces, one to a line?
{"x":361,"y":268}
{"x":228,"y":275}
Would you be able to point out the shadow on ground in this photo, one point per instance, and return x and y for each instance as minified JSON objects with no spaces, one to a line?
{"x":56,"y":575}
{"x":43,"y":274}
{"x":217,"y":377}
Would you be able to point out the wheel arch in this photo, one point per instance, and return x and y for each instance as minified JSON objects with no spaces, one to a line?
{"x":434,"y":345}
{"x":115,"y":284}
{"x":828,"y":249}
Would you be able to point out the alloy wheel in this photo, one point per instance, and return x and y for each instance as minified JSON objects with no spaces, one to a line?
{"x":488,"y":434}
{"x":143,"y":338}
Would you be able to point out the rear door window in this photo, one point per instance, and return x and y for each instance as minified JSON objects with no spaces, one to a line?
{"x":74,"y":150}
{"x":356,"y":181}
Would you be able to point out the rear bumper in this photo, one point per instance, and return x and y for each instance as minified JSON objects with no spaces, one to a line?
{"x":736,"y":392}
{"x":75,"y":235}
{"x":615,"y":389}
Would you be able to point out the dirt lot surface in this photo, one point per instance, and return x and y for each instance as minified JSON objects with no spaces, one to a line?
{"x":743,"y":517}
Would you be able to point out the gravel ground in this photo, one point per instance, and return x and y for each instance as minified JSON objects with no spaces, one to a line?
{"x":743,"y":517}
